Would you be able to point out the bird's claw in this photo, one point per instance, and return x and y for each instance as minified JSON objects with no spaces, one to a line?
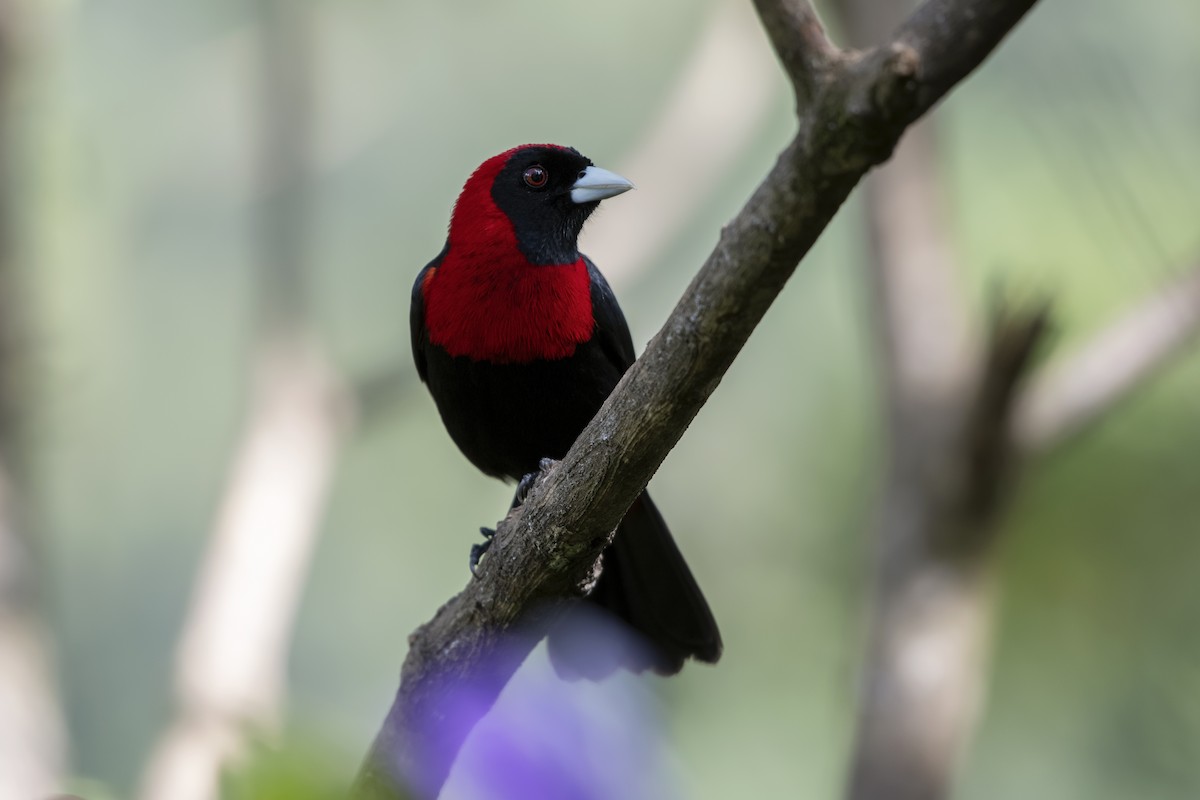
{"x":479,"y":550}
{"x":523,"y":488}
{"x":529,"y":479}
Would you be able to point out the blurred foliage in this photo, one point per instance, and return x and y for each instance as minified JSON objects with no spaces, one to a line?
{"x":1073,"y":159}
{"x":295,"y":770}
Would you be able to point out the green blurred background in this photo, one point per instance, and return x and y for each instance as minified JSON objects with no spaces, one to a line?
{"x":1073,"y":166}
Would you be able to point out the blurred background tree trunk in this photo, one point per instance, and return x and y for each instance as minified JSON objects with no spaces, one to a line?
{"x":33,"y":741}
{"x":923,"y":676}
{"x":957,"y":417}
{"x":231,"y":662}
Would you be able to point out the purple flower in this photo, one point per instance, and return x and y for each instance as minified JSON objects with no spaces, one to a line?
{"x":561,"y":740}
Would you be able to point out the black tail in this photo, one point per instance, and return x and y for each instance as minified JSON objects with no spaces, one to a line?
{"x":647,"y":584}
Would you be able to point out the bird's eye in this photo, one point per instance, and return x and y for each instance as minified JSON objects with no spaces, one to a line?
{"x":536,"y":176}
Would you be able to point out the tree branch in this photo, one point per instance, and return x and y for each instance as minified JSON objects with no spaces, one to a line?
{"x":546,"y":548}
{"x":1070,"y":395}
{"x":954,"y":37}
{"x":800,"y":42}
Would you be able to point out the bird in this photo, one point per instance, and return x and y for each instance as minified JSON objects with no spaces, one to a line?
{"x":520,"y":339}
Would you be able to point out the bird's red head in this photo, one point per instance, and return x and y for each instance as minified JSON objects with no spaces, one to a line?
{"x":539,"y":193}
{"x":511,"y":286}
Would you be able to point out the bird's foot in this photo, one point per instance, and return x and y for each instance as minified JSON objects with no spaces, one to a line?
{"x":478,"y":551}
{"x":529,"y":479}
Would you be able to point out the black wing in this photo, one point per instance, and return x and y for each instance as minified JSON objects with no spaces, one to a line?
{"x":612,"y":332}
{"x":416,"y":314}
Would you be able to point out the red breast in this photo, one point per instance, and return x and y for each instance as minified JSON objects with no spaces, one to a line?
{"x":487,"y":302}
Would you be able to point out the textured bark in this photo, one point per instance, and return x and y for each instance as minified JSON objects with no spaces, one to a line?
{"x":851,"y":115}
